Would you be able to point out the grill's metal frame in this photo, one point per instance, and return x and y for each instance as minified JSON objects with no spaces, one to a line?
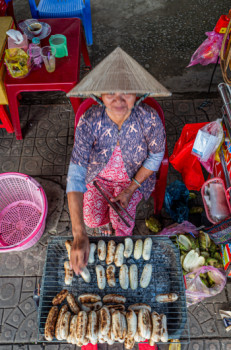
{"x":167,"y":277}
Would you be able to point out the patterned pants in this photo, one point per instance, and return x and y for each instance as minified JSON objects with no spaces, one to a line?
{"x":96,"y":210}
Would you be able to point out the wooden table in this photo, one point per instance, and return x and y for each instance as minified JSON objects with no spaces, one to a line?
{"x":65,"y":76}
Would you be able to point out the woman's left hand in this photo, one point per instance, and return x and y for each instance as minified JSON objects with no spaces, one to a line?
{"x":124,"y":197}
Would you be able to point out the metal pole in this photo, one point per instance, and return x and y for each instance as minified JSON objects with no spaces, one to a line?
{"x":225,"y":95}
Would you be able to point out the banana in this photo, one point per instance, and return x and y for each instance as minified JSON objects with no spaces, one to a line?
{"x":91,"y":258}
{"x":110,"y":273}
{"x":144,"y":324}
{"x":123,"y":277}
{"x":92,"y":327}
{"x":164,"y":332}
{"x":111,"y":248}
{"x":101,"y":250}
{"x":50,"y":323}
{"x":72,"y":303}
{"x":146,"y":276}
{"x":101,"y":279}
{"x":131,"y":323}
{"x":156,"y":327}
{"x":147,"y":249}
{"x":64,"y":327}
{"x":128,"y":247}
{"x":81,"y":328}
{"x":85,"y":274}
{"x":62,"y":311}
{"x":119,"y":255}
{"x":69,"y":274}
{"x":133,"y":276}
{"x":138,"y":249}
{"x":166,"y":298}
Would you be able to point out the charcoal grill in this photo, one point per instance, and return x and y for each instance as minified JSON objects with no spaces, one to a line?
{"x":167,"y":277}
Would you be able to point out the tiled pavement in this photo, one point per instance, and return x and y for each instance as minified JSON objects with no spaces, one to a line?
{"x":44,"y":154}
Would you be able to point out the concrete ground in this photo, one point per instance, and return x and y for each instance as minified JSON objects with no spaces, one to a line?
{"x":162,"y":36}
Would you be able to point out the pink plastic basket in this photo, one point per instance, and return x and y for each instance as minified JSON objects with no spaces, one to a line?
{"x":23,"y":211}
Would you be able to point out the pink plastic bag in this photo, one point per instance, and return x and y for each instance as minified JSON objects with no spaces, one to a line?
{"x":178,"y":229}
{"x":208,"y":51}
{"x":197,"y":291}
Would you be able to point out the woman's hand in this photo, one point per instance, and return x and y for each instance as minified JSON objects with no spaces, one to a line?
{"x":124,"y":197}
{"x":80,"y":252}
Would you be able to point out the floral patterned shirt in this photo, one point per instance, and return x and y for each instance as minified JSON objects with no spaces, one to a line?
{"x":97,"y":135}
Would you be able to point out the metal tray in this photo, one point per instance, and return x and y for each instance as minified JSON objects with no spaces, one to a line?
{"x":167,"y":277}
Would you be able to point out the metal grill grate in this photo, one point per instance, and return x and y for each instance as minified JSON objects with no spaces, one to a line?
{"x":167,"y":277}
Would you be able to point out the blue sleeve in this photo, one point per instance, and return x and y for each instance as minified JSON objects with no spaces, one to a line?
{"x":76,"y":178}
{"x":153,"y":161}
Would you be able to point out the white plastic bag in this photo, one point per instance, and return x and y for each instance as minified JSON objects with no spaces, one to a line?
{"x":208,"y":140}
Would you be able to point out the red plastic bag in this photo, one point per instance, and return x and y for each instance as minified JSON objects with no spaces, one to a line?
{"x":186,"y":163}
{"x":208,"y":51}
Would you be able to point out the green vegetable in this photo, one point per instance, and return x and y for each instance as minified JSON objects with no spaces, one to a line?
{"x":217,"y":256}
{"x":194,"y":243}
{"x":184,"y":243}
{"x":213,"y":248}
{"x":204,"y":241}
{"x":212,"y":262}
{"x":153,"y":224}
{"x":192,"y":261}
{"x":196,"y":210}
{"x":192,"y":195}
{"x":203,"y":275}
{"x":205,"y":282}
{"x":219,"y":265}
{"x":211,"y":279}
{"x":205,"y":255}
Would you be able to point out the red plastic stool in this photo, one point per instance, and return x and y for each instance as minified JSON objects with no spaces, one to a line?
{"x":6,"y":123}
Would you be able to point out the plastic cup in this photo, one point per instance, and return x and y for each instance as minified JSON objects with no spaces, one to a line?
{"x":48,"y":55}
{"x":59,"y":42}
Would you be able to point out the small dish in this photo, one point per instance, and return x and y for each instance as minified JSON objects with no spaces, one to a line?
{"x":35,"y":28}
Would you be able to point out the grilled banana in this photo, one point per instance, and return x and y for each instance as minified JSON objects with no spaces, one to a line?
{"x":62,"y":311}
{"x":111,"y":248}
{"x":64,"y":325}
{"x":128,"y":242}
{"x":92,"y":327}
{"x":85,"y":274}
{"x":131,"y":323}
{"x":146,"y":276}
{"x":50,"y":323}
{"x":101,"y":250}
{"x":144,"y":324}
{"x":166,"y":298}
{"x":58,"y":299}
{"x":69,"y":274}
{"x":123,"y":277}
{"x":110,"y":273}
{"x":164,"y":331}
{"x":133,"y":276}
{"x":119,"y":255}
{"x":138,"y":249}
{"x":156,"y":327}
{"x":147,"y":249}
{"x":91,"y":258}
{"x":101,"y":279}
{"x":72,"y":303}
{"x":88,"y":298}
{"x":114,"y":298}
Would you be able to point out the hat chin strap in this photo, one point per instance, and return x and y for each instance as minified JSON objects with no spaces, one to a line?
{"x":97,"y":99}
{"x":141,"y":99}
{"x":100,"y":102}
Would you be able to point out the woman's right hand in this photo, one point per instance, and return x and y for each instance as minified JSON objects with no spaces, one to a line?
{"x":80,"y":252}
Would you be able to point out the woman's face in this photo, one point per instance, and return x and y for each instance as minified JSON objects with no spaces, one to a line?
{"x":119,"y":105}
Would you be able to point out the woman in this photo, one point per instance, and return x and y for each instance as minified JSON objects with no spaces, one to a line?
{"x":119,"y":144}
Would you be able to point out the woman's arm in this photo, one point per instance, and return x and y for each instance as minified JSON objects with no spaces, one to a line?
{"x":80,"y":246}
{"x":125,"y":196}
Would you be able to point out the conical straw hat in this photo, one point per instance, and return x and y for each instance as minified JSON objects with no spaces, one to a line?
{"x":118,"y":72}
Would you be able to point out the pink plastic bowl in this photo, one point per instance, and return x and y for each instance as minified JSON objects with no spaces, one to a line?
{"x":23,"y":211}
